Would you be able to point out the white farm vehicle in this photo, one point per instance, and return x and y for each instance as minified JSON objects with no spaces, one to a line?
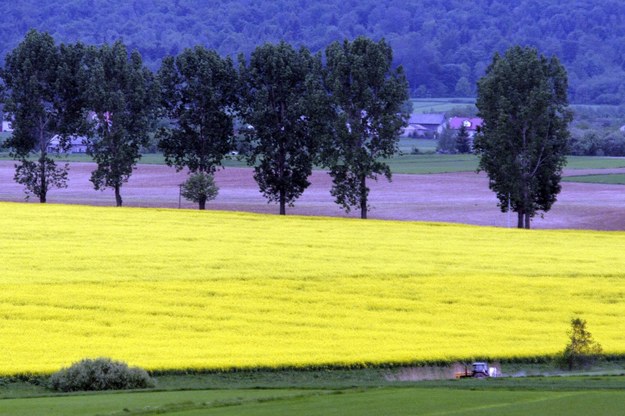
{"x":478,"y":370}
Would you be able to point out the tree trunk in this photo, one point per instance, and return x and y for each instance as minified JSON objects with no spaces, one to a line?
{"x":44,"y":185}
{"x":363,"y":197}
{"x":202,"y":203}
{"x":523,"y":220}
{"x":282,"y":202}
{"x":118,"y":196}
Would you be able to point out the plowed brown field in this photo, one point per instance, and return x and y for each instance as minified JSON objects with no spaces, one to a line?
{"x":451,"y":197}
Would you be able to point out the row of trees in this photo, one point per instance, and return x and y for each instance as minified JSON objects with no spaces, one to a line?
{"x":61,"y":91}
{"x":344,"y":114}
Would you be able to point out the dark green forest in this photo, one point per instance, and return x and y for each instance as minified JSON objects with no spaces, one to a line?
{"x":444,"y":45}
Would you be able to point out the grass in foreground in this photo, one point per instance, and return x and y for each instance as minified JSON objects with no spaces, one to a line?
{"x":408,"y":402}
{"x":145,"y":403}
{"x":536,"y":396}
{"x":170,"y":289}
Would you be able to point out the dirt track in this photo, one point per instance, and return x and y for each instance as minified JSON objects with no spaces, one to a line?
{"x":451,"y":197}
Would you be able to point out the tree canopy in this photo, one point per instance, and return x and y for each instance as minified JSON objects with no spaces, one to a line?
{"x":198,"y":90}
{"x":43,"y":101}
{"x":523,"y":140}
{"x":367,"y":98}
{"x":444,"y":45}
{"x":122,"y":95}
{"x":281,"y":101}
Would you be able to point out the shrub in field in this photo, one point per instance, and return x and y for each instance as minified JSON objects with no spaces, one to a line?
{"x":100,"y":374}
{"x":582,"y":350}
{"x":200,"y":187}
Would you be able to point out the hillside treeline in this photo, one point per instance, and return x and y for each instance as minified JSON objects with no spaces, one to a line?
{"x":444,"y":45}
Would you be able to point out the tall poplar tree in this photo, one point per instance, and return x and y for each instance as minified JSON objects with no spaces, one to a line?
{"x":282,"y":99}
{"x":367,"y":98}
{"x":523,"y":140}
{"x":122,"y":95}
{"x":199,"y":92}
{"x":43,"y":100}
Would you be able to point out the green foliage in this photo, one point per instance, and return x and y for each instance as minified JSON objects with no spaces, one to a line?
{"x":523,"y":141}
{"x":123,"y":95}
{"x":198,"y":90}
{"x":446,"y":143}
{"x":37,"y":177}
{"x":463,"y":142}
{"x":100,"y":374}
{"x":591,"y":144}
{"x":367,"y":100}
{"x":200,"y":187}
{"x":283,"y":102}
{"x":588,"y":145}
{"x":43,"y":101}
{"x":582,"y":350}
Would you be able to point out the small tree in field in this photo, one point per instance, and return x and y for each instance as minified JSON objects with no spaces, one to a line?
{"x":582,"y":350}
{"x":199,"y":188}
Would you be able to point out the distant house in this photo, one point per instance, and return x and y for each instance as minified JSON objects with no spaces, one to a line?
{"x":470,"y":123}
{"x":414,"y":130}
{"x":76,"y":145}
{"x":422,"y":124}
{"x":6,"y":126}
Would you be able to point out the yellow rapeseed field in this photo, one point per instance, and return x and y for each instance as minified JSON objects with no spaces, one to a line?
{"x":176,"y":289}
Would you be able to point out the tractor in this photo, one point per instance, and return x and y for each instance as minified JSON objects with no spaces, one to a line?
{"x":478,"y":370}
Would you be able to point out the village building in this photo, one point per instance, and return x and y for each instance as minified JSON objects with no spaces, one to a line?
{"x":76,"y":145}
{"x":425,"y":124}
{"x":472,"y":124}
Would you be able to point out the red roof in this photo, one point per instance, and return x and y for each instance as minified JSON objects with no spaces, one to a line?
{"x":471,"y":123}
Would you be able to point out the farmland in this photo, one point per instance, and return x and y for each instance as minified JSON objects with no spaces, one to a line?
{"x":404,"y":400}
{"x":613,"y":179}
{"x":166,"y":289}
{"x":440,"y":105}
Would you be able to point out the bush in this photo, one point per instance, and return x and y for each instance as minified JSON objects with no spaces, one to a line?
{"x":587,"y":145}
{"x":447,"y":142}
{"x":592,"y":144}
{"x":200,"y":187}
{"x":614,"y":144}
{"x":100,"y":374}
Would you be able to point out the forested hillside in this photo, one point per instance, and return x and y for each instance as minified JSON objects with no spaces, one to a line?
{"x":444,"y":45}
